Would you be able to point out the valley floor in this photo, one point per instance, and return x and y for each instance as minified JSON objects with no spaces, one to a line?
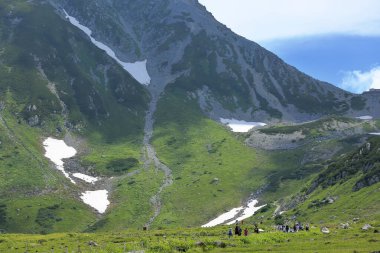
{"x":350,"y":240}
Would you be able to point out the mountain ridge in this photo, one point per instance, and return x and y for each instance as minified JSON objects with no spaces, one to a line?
{"x":269,"y":90}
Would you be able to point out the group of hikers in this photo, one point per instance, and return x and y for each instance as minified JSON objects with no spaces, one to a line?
{"x":292,"y":229}
{"x":239,"y":231}
{"x":284,"y":228}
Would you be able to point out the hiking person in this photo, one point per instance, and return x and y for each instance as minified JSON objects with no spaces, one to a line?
{"x":236,"y":230}
{"x":256,"y":229}
{"x":246,"y":232}
{"x":240,"y":231}
{"x":307,"y":227}
{"x":230,"y":232}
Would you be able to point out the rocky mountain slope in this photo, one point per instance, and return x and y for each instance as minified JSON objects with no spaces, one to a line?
{"x":226,"y":74}
{"x":346,"y":190}
{"x":68,"y":71}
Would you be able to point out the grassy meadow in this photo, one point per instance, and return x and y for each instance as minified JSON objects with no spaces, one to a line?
{"x":198,"y":240}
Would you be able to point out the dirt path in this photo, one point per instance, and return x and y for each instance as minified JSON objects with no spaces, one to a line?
{"x":151,"y":159}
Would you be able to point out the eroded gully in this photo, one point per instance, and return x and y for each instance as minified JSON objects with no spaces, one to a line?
{"x":151,"y":159}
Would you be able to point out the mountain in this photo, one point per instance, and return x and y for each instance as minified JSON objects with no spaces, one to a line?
{"x":137,"y":88}
{"x":228,"y":76}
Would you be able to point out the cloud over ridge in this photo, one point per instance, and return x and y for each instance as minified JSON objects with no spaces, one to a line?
{"x":359,"y":81}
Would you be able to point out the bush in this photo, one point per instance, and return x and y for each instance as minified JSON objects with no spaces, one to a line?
{"x":121,"y":165}
{"x":47,"y":217}
{"x":279,"y":220}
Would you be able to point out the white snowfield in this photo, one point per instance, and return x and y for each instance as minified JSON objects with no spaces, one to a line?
{"x":365,"y":117}
{"x":137,"y":69}
{"x":86,"y":178}
{"x":56,"y":150}
{"x":240,"y":126}
{"x":247,"y":211}
{"x":374,"y":133}
{"x":96,"y":199}
{"x":223,"y":217}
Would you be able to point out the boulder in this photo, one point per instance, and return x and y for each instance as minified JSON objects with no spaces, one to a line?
{"x":200,"y":244}
{"x":325,"y":230}
{"x":92,"y":243}
{"x":366,"y":227}
{"x":330,"y":200}
{"x":344,"y":225}
{"x":33,"y":121}
{"x":220,"y":244}
{"x":214,"y":181}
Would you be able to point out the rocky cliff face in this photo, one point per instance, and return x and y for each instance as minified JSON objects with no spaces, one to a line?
{"x":228,"y":76}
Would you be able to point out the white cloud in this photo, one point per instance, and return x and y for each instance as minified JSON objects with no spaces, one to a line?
{"x":260,"y":20}
{"x":358,"y":81}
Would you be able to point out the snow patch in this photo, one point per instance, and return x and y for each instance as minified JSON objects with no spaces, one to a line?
{"x":56,"y":150}
{"x":366,"y":117}
{"x":137,"y":69}
{"x":96,"y":199}
{"x":223,"y":217}
{"x":374,"y":133}
{"x":249,"y":211}
{"x":246,"y":212}
{"x":86,"y":178}
{"x":241,"y":126}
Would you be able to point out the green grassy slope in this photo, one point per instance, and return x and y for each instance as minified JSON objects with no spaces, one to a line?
{"x":42,"y":52}
{"x":34,"y":196}
{"x":352,"y":181}
{"x":131,"y":207}
{"x":213,"y":170}
{"x":346,"y":189}
{"x":54,"y":81}
{"x":363,"y":204}
{"x":197,"y":240}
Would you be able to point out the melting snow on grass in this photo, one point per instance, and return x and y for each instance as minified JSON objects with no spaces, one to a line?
{"x":86,"y":178}
{"x":223,"y":218}
{"x":249,"y":211}
{"x":244,"y":211}
{"x":366,"y":117}
{"x":137,"y":69}
{"x":241,"y":126}
{"x":56,"y":150}
{"x":96,"y":199}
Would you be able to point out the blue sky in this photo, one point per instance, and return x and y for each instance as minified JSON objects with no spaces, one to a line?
{"x":333,"y":40}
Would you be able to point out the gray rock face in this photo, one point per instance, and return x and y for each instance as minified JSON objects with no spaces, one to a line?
{"x":34,"y":120}
{"x":229,"y":76}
